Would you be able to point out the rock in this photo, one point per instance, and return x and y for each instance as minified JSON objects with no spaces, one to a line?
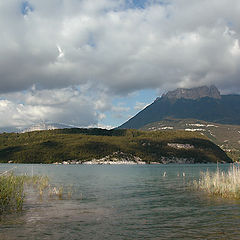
{"x":194,"y":93}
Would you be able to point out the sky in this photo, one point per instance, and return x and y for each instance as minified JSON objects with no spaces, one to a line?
{"x":96,"y":63}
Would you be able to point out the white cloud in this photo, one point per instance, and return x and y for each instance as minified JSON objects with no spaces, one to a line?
{"x":235,"y":50}
{"x":13,"y":114}
{"x":59,"y":105}
{"x":113,"y":49}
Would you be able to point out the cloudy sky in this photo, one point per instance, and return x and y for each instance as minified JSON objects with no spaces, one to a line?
{"x":98,"y":62}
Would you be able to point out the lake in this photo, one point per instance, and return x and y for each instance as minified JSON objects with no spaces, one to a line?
{"x":122,"y":202}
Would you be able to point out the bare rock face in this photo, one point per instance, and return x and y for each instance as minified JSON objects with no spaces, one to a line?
{"x":194,"y":93}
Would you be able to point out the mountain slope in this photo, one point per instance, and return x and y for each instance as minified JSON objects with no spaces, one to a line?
{"x":225,"y":136}
{"x":215,"y":108}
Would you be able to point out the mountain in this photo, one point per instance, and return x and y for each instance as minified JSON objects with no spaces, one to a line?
{"x":35,"y":127}
{"x":203,"y":103}
{"x":194,"y":93}
{"x":9,"y":129}
{"x":45,"y":126}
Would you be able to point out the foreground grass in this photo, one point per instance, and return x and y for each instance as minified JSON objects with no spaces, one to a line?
{"x":220,"y":183}
{"x":12,"y":190}
{"x":11,"y":193}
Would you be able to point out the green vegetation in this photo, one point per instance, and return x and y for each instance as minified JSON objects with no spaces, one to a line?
{"x":225,"y":136}
{"x":219,"y":183}
{"x":13,"y":190}
{"x":11,"y":193}
{"x":85,"y":144}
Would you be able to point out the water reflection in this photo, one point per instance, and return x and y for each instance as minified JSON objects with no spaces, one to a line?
{"x":123,"y":202}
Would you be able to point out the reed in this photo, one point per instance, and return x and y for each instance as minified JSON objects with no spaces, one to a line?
{"x":13,"y":188}
{"x":220,"y":183}
{"x":11,"y":193}
{"x":56,"y":191}
{"x":41,"y":183}
{"x":44,"y":188}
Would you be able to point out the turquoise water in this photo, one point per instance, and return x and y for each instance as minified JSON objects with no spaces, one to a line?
{"x":123,"y":202}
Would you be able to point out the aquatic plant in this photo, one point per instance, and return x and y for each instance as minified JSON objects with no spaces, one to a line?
{"x":56,"y":191}
{"x":220,"y":183}
{"x":39,"y":182}
{"x":11,"y":193}
{"x":14,"y":188}
{"x":45,"y":189}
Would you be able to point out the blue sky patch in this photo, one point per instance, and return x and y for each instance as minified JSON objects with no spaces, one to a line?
{"x":145,"y":97}
{"x":26,"y":7}
{"x":91,"y":40}
{"x":144,"y":3}
{"x":136,"y":3}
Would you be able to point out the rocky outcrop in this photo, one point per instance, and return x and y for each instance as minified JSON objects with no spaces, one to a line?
{"x":117,"y":158}
{"x":194,"y":93}
{"x":180,"y":146}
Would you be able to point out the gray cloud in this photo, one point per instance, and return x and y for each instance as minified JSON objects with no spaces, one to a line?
{"x":120,"y":48}
{"x":112,"y":49}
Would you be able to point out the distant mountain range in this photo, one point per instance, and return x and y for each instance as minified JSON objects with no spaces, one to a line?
{"x":46,"y":126}
{"x":202,"y":103}
{"x":36,"y":127}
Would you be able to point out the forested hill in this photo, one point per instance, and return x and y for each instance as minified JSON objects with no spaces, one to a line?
{"x":86,"y":144}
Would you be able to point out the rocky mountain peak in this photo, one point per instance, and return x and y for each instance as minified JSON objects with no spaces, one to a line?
{"x":194,"y":93}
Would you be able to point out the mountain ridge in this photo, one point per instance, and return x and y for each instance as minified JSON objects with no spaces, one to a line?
{"x":194,"y":93}
{"x":224,"y":109}
{"x":46,"y":126}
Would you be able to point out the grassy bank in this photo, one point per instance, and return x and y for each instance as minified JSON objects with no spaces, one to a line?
{"x":220,"y":183}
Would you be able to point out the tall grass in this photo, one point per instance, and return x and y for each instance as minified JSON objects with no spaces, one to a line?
{"x":220,"y":183}
{"x":11,"y":193}
{"x":13,"y":190}
{"x":41,"y":183}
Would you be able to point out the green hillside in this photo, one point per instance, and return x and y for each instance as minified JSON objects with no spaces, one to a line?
{"x":87,"y":144}
{"x":225,"y":136}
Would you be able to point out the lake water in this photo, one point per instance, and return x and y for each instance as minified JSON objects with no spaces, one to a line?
{"x":123,"y":202}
